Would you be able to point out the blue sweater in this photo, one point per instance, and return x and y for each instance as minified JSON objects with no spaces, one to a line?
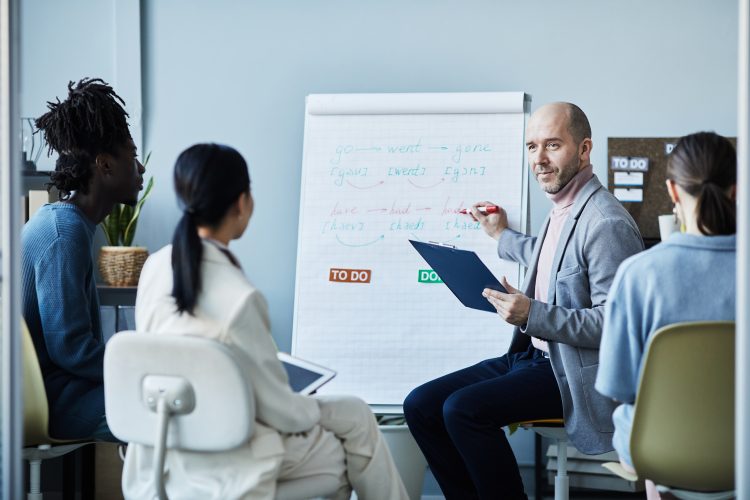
{"x":686,"y":278}
{"x":61,"y":308}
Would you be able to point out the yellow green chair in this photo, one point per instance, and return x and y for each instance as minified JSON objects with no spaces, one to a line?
{"x":683,"y":424}
{"x":37,"y":443}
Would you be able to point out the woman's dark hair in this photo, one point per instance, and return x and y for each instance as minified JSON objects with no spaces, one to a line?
{"x":90,"y":121}
{"x":208,"y":179}
{"x":705,"y":165}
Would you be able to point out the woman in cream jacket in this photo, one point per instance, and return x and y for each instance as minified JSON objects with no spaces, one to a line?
{"x":196,"y":287}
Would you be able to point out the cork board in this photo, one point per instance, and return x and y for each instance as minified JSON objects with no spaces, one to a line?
{"x":655,"y":198}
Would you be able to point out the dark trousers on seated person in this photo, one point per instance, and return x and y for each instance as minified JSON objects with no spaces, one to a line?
{"x":458,"y":421}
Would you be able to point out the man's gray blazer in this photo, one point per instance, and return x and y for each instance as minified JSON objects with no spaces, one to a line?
{"x":596,"y":237}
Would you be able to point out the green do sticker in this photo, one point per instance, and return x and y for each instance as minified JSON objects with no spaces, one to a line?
{"x":428,"y":276}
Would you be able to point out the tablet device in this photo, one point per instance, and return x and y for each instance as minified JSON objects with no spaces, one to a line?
{"x":463,"y":273}
{"x":304,"y":377}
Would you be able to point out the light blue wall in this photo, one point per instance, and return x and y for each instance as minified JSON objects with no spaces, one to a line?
{"x":238,"y":72}
{"x":54,"y":51}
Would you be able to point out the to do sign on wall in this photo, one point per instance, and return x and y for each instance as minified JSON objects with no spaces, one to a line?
{"x":630,"y":163}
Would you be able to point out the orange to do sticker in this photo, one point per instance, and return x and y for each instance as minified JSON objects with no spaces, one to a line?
{"x":350,"y":275}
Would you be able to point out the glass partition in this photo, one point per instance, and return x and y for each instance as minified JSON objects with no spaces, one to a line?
{"x":11,"y":410}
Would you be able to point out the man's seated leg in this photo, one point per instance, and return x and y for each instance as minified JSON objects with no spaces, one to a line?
{"x":423,"y":409}
{"x":475,"y":416}
{"x":102,"y":432}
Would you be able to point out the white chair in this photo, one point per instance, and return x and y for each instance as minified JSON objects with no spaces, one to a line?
{"x":161,"y":391}
{"x":37,"y":444}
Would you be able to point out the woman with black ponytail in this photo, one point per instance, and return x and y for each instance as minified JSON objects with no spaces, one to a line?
{"x":196,"y":287}
{"x":688,"y":277}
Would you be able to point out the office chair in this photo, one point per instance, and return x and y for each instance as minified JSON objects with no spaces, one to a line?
{"x":553,"y":428}
{"x":37,"y":444}
{"x":187,"y":393}
{"x":683,"y":423}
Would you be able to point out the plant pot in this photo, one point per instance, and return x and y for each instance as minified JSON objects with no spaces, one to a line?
{"x":121,"y":266}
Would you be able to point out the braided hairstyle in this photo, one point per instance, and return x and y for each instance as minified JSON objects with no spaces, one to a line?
{"x":705,"y":165}
{"x":92,"y":120}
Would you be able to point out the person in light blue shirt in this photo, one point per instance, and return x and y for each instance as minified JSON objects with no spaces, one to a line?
{"x":688,"y":277}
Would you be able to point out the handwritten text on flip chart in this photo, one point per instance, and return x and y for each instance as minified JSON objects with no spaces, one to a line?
{"x":387,"y":168}
{"x":370,"y":184}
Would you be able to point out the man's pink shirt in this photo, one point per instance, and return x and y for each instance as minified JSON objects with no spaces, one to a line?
{"x":563,"y":201}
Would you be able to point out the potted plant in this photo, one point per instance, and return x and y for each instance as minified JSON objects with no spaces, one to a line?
{"x":120,"y":263}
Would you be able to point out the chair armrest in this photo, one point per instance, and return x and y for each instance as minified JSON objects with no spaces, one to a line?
{"x":617,"y":469}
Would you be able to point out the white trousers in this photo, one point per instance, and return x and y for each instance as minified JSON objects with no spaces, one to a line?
{"x":346,"y":444}
{"x":349,"y":444}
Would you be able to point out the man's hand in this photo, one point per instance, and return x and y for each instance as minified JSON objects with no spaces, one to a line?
{"x":493,"y":224}
{"x":513,"y":306}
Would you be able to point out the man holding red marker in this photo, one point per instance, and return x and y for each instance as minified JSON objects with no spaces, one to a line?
{"x":550,"y":368}
{"x":483,"y":209}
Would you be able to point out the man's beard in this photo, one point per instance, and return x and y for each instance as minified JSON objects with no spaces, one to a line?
{"x":566,"y":175}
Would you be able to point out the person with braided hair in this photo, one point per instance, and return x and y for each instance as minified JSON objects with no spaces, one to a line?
{"x":96,"y":169}
{"x":663,"y":285}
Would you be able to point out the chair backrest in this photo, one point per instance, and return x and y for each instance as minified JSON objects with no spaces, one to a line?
{"x":35,"y":406}
{"x":683,"y":423}
{"x":223,"y":414}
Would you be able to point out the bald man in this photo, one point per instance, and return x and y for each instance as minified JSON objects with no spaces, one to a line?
{"x":550,"y":368}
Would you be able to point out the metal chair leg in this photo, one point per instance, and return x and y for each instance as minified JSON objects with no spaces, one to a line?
{"x":561,"y":479}
{"x":35,"y":480}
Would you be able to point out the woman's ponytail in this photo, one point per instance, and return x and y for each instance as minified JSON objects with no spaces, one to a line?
{"x":187,"y":252}
{"x":208,"y":179}
{"x":716,"y":213}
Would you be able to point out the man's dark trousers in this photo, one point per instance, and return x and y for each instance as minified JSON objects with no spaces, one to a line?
{"x":458,"y":421}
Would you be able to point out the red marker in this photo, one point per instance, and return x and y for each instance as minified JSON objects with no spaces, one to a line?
{"x":489,"y":209}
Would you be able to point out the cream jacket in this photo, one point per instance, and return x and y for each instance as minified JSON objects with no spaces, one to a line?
{"x":232,"y":311}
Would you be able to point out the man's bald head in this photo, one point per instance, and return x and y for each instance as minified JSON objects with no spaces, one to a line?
{"x":576,"y":121}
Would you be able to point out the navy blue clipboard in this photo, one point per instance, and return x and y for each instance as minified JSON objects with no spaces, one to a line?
{"x":462,"y":271}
